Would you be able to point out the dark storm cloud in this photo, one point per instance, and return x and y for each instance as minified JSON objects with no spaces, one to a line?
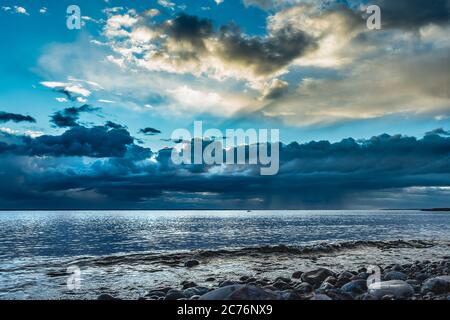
{"x":413,"y":14}
{"x":69,"y":117}
{"x":14,"y":117}
{"x":149,"y":131}
{"x":79,"y":141}
{"x":312,"y":175}
{"x":189,"y":28}
{"x":264,"y":54}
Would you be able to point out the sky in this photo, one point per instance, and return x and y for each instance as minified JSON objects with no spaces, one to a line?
{"x":86,"y":115}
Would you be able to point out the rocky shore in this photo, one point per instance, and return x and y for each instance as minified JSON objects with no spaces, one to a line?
{"x":421,"y":280}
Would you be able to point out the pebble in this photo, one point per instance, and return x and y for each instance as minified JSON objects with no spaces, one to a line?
{"x":191,"y":263}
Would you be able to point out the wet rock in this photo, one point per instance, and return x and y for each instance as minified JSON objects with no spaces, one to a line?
{"x":174,"y":295}
{"x":422,"y":276}
{"x":316,"y":277}
{"x":281,"y":285}
{"x":388,"y":297}
{"x":221,"y":293}
{"x":227,"y":283}
{"x":303,"y":288}
{"x":283,"y":279}
{"x":191,"y":263}
{"x":251,"y":293}
{"x":337,"y":294}
{"x":188,"y":284}
{"x":326,"y":286}
{"x":332,"y":280}
{"x":437,"y":285}
{"x":395,"y":275}
{"x":297,"y":275}
{"x":106,"y":297}
{"x":210,"y":279}
{"x":156,"y":293}
{"x":355,"y":287}
{"x":415,"y":284}
{"x":397,"y":288}
{"x":195,"y":291}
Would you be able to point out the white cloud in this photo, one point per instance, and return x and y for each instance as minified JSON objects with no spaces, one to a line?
{"x":21,"y":10}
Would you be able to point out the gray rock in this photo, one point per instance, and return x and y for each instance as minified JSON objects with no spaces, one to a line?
{"x":437,"y":285}
{"x":106,"y":297}
{"x":303,"y":288}
{"x":397,"y":288}
{"x":221,"y":293}
{"x":395,"y":275}
{"x":210,"y":279}
{"x":227,"y":283}
{"x":195,"y":291}
{"x":191,"y":263}
{"x":251,"y":293}
{"x":281,"y":285}
{"x":297,"y":275}
{"x":326,"y":286}
{"x":189,"y":284}
{"x":355,"y":287}
{"x":316,"y":277}
{"x":367,"y":296}
{"x":174,"y":295}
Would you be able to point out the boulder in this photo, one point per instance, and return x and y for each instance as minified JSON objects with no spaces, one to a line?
{"x":437,"y":285}
{"x":316,"y":277}
{"x":221,"y":293}
{"x":174,"y":295}
{"x":397,"y":288}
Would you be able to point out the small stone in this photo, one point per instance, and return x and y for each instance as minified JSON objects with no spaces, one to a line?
{"x":316,"y":277}
{"x":191,"y":263}
{"x":297,"y":275}
{"x":388,"y":297}
{"x":188,"y":285}
{"x":210,"y":279}
{"x":332,"y":280}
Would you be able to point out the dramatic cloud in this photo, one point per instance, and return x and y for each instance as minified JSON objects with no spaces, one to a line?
{"x":6,"y":117}
{"x":47,"y":171}
{"x":69,"y":117}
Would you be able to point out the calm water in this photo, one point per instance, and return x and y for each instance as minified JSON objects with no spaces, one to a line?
{"x":65,"y":234}
{"x":37,"y":247}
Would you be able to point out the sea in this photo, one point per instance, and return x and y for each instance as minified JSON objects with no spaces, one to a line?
{"x":81,"y":254}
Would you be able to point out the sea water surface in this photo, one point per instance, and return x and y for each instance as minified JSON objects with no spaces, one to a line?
{"x":127,"y":252}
